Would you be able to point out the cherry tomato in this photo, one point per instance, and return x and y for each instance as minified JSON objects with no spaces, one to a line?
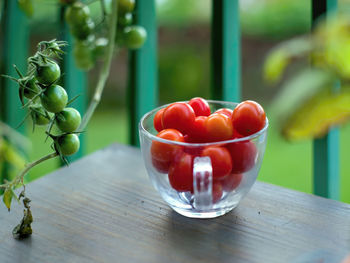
{"x":134,"y":36}
{"x":125,"y":19}
{"x":243,"y":156}
{"x":47,"y":73}
{"x":126,"y":6}
{"x":248,"y":118}
{"x":54,"y":98}
{"x":40,"y":116}
{"x":84,"y":30}
{"x":157,"y":120}
{"x":219,"y":127}
{"x":217,"y":192}
{"x":83,"y":56}
{"x":68,"y":143}
{"x":77,"y":14}
{"x":220,"y":160}
{"x":180,"y":116}
{"x":200,"y":106}
{"x":225,"y":111}
{"x":231,"y":182}
{"x":180,"y":173}
{"x":100,"y":47}
{"x":198,"y":132}
{"x":31,"y":87}
{"x":163,"y":153}
{"x":68,"y":120}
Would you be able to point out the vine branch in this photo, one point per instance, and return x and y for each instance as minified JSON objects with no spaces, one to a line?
{"x":20,"y":176}
{"x":105,"y":67}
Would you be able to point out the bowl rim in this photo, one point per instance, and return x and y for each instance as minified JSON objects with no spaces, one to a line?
{"x":154,"y":137}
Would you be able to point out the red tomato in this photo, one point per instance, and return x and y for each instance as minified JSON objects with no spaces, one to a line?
{"x":243,"y":156}
{"x":198,"y":132}
{"x":180,"y":116}
{"x":231,"y":182}
{"x":248,"y":118}
{"x":181,"y":173}
{"x":218,"y":127}
{"x":157,"y":121}
{"x":200,"y":106}
{"x":225,"y":111}
{"x":220,"y":160}
{"x":163,"y":153}
{"x":217,"y":192}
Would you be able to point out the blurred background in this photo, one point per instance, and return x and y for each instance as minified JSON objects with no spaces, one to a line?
{"x":184,"y":72}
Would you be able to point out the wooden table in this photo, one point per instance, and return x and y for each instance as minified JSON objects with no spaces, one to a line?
{"x":104,"y":209}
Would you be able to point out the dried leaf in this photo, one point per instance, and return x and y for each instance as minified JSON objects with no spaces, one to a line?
{"x":7,"y":198}
{"x":318,"y":114}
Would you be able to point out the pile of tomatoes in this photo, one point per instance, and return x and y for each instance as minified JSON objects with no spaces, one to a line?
{"x":193,"y":122}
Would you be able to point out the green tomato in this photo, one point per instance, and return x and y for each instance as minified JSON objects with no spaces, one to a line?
{"x":39,"y":115}
{"x":54,"y":98}
{"x":126,"y":6}
{"x":134,"y":36}
{"x":47,"y":73}
{"x":77,"y":14}
{"x":68,"y":143}
{"x":125,"y":19}
{"x":100,"y":47}
{"x":68,"y":120}
{"x":83,"y":31}
{"x":31,"y":87}
{"x":83,"y":55}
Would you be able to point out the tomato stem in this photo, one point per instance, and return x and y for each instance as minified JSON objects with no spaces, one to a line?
{"x":105,"y":67}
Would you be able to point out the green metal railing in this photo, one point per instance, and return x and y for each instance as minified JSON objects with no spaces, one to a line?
{"x":143,"y":86}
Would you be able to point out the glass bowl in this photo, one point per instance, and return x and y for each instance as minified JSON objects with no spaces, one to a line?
{"x":209,"y":196}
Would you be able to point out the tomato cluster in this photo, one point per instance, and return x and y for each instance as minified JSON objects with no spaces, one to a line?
{"x":46,"y":100}
{"x":193,"y":122}
{"x":88,"y":48}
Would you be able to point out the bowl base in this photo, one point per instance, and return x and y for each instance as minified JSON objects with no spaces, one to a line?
{"x":200,"y":214}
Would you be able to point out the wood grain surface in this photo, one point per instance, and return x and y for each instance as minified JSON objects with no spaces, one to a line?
{"x":103,"y":208}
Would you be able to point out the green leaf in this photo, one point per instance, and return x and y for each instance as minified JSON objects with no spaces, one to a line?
{"x":12,"y":156}
{"x":26,"y":6}
{"x":278,"y":59}
{"x":314,"y":118}
{"x":7,"y":198}
{"x":297,"y":90}
{"x":275,"y":65}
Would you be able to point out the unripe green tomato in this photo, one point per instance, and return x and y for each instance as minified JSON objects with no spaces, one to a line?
{"x":68,"y":120}
{"x":134,"y":36}
{"x":40,"y":118}
{"x":83,"y":31}
{"x":54,"y":98}
{"x":125,"y":19}
{"x":31,"y":87}
{"x":83,"y":54}
{"x":126,"y":6}
{"x":100,"y":47}
{"x":47,"y":73}
{"x":68,"y":143}
{"x":77,"y":14}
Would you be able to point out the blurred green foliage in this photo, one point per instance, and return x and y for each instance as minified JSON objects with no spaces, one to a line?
{"x":275,"y":19}
{"x":306,"y":103}
{"x":183,"y":73}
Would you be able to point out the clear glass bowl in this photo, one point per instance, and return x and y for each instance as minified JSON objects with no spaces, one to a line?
{"x":204,"y":201}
